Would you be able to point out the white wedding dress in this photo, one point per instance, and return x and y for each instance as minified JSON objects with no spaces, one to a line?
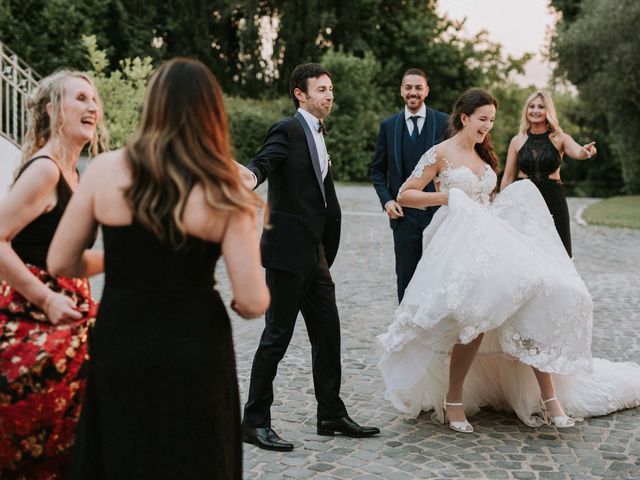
{"x":498,"y":268}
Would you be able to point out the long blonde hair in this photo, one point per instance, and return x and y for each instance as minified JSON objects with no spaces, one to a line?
{"x":552,"y":118}
{"x":43,"y":126}
{"x":183,"y":140}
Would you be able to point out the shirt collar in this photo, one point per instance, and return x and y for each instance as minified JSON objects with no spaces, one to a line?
{"x":311,"y":119}
{"x":421,"y":113}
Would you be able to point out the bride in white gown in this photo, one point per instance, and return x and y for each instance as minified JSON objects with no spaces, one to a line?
{"x":496,"y":313}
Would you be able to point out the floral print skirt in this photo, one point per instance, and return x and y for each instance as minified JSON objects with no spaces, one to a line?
{"x":42,"y":380}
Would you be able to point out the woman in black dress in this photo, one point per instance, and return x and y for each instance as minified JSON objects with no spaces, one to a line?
{"x":162,"y":396}
{"x":44,"y":318}
{"x":536,"y":153}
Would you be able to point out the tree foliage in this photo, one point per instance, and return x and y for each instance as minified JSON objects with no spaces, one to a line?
{"x":47,"y":33}
{"x":366,"y":44}
{"x":122,"y":90}
{"x":596,"y":47}
{"x":355,"y":113}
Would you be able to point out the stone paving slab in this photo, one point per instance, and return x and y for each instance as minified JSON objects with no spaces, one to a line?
{"x":502,"y":447}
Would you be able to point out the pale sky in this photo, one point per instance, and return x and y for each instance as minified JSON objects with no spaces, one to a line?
{"x":519,"y":25}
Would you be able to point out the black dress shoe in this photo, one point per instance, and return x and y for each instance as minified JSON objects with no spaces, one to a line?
{"x":346,"y":426}
{"x":265,"y":438}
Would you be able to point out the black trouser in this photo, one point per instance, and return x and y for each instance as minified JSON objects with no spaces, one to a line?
{"x":407,"y":241}
{"x":313,"y":294}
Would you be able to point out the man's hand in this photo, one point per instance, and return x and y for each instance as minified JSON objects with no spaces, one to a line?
{"x":393,"y":210}
{"x":247,"y":176}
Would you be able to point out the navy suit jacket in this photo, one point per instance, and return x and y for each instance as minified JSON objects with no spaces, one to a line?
{"x":304,"y":209}
{"x":386,"y":169}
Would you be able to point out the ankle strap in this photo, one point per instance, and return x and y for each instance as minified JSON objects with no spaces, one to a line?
{"x":448,"y":404}
{"x":550,"y":399}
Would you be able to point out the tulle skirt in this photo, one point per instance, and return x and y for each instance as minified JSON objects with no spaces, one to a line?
{"x":502,"y":270}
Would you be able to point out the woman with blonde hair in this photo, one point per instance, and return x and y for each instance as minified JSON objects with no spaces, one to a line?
{"x":162,"y":397}
{"x":44,"y":318}
{"x":536,"y":153}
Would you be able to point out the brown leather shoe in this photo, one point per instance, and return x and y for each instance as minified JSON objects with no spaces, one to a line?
{"x":346,"y":426}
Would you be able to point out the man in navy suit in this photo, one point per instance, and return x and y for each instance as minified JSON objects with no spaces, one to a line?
{"x":297,"y":252}
{"x":402,"y":140}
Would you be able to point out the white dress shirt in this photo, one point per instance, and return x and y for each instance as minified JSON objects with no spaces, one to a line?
{"x":321,"y":148}
{"x":422,"y":114}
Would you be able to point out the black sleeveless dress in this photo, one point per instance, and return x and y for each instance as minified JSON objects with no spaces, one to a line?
{"x":42,"y":365}
{"x":162,"y":396}
{"x":537,"y":159}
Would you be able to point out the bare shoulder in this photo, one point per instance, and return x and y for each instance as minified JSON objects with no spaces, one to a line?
{"x":106,"y":163}
{"x":43,"y":172}
{"x":203,"y":220}
{"x":441,"y":149}
{"x":561,"y":138}
{"x":518,"y":141}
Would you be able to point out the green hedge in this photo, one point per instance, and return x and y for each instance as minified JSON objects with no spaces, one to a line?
{"x":249,"y":121}
{"x":352,"y":125}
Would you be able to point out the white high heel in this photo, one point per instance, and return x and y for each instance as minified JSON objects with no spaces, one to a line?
{"x":462,"y":427}
{"x":561,"y":421}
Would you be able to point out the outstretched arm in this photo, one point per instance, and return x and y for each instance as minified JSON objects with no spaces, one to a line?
{"x":273,"y":152}
{"x":411,"y":194}
{"x":574,"y":150}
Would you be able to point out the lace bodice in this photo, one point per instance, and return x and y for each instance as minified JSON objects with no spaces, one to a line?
{"x":477,"y":188}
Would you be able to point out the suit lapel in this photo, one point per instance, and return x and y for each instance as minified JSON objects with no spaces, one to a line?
{"x":397,"y":141}
{"x":430,"y":125}
{"x":313,"y":152}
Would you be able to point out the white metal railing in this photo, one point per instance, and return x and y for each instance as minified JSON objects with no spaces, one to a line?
{"x":17,"y":80}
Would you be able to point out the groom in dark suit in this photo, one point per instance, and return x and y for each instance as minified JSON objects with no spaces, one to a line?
{"x":297,"y":252}
{"x":402,"y":140}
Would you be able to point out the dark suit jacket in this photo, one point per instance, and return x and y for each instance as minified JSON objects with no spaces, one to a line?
{"x":386,"y":168}
{"x":304,"y":209}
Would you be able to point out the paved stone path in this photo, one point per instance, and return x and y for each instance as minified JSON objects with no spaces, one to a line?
{"x":502,"y":447}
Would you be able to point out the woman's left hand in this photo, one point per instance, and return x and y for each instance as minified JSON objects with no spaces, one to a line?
{"x":589,"y":149}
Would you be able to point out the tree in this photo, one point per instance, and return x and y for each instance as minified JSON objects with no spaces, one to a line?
{"x":355,"y":116}
{"x":47,"y":33}
{"x":596,"y":47}
{"x":122,"y":90}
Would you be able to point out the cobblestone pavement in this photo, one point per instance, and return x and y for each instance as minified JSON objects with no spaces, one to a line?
{"x":502,"y":447}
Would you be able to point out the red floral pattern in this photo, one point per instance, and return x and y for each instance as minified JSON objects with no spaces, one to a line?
{"x":41,"y":380}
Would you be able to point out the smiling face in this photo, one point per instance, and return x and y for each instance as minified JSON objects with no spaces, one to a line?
{"x":536,"y":111}
{"x":80,"y":111}
{"x":414,"y":90}
{"x":318,"y":99}
{"x":480,"y":122}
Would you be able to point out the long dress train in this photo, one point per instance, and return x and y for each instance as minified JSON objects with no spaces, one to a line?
{"x":500,"y":269}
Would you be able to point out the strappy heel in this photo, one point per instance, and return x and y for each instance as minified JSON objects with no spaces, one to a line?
{"x":462,"y":427}
{"x":561,"y":421}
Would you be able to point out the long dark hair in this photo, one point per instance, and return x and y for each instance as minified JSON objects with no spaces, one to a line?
{"x":467,"y":103}
{"x":183,"y":140}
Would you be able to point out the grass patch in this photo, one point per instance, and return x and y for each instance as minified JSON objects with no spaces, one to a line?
{"x":615,"y":212}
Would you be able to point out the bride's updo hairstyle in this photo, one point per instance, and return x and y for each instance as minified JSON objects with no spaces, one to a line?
{"x":182,"y":140}
{"x":467,"y":103}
